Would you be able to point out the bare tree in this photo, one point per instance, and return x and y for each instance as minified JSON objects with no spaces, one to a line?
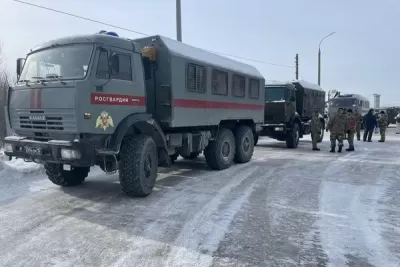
{"x":4,"y":85}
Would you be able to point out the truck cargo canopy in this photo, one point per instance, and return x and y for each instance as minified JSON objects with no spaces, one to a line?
{"x":202,"y":56}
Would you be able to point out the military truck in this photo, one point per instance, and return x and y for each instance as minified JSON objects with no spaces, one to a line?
{"x":349,"y":101}
{"x":130,"y":106}
{"x":288,"y":110}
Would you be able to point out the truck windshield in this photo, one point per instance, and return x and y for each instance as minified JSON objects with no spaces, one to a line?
{"x":274,"y":94}
{"x":343,"y":102}
{"x":62,"y":63}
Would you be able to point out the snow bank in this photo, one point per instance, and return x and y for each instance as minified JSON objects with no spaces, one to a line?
{"x":21,"y":166}
{"x":18,"y":165}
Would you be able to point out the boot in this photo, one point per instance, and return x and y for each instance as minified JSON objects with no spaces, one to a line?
{"x":350,"y":149}
{"x":381,"y":141}
{"x":339,"y":150}
{"x":332,"y":150}
{"x":316,"y":149}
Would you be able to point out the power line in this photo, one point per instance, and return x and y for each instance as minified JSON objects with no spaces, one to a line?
{"x":140,"y":33}
{"x":80,"y":17}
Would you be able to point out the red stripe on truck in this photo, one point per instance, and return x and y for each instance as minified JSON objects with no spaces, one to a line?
{"x":117,"y":99}
{"x":191,"y":103}
{"x":131,"y":100}
{"x":32,"y":98}
{"x":39,"y":98}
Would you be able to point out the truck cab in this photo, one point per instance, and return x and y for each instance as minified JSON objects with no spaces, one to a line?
{"x":280,"y":103}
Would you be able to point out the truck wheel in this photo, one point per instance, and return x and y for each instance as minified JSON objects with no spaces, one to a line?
{"x":58,"y":176}
{"x":192,"y":155}
{"x":219,"y":154}
{"x":138,"y":166}
{"x":255,"y":139}
{"x":292,"y":138}
{"x":244,"y":144}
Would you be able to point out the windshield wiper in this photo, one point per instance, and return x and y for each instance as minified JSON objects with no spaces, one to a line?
{"x":55,"y":76}
{"x":40,"y":79}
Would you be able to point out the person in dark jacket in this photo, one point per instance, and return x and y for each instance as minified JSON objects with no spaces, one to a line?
{"x":370,"y":124}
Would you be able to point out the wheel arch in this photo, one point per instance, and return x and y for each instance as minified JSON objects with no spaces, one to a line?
{"x":138,"y":123}
{"x":235,"y":124}
{"x":296,"y":119}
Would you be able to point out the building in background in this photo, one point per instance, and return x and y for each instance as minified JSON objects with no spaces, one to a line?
{"x":377,"y":101}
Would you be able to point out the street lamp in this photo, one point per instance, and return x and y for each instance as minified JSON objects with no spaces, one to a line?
{"x":319,"y":57}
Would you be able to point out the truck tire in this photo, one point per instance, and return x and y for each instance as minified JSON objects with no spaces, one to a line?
{"x":292,"y":138}
{"x":244,"y":141}
{"x":220,"y":153}
{"x":255,"y":139}
{"x":138,"y":166}
{"x":58,"y":176}
{"x":192,"y":155}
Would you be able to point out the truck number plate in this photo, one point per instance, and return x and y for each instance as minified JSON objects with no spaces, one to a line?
{"x":34,"y":151}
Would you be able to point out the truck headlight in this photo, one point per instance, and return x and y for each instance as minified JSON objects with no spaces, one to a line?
{"x":70,"y":153}
{"x":8,"y":147}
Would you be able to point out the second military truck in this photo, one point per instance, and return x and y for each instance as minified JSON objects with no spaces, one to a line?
{"x":288,"y":110}
{"x":131,"y":106}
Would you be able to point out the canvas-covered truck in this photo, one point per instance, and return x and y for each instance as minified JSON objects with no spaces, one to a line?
{"x":288,"y":110}
{"x":130,"y":106}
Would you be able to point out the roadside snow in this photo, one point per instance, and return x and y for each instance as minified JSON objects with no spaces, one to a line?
{"x":19,"y":165}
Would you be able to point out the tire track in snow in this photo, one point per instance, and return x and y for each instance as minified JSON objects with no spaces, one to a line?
{"x":204,"y":231}
{"x":358,"y":202}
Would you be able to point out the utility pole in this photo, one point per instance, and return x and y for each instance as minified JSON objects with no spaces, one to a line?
{"x":178,"y":21}
{"x":297,"y":66}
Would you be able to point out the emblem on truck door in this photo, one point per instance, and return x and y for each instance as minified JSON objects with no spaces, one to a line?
{"x":104,"y":121}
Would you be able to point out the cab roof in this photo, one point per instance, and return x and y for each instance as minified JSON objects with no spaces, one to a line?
{"x":360,"y":97}
{"x":301,"y":83}
{"x":90,"y":39}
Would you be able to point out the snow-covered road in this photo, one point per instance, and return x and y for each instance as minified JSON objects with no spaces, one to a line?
{"x":285,"y":208}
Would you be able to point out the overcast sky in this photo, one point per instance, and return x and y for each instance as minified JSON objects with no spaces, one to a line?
{"x":362,"y":57}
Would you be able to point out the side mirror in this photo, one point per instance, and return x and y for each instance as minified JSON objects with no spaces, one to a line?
{"x":292,"y":99}
{"x":114,"y":63}
{"x":20,"y":65}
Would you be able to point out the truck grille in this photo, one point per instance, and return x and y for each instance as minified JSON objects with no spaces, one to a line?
{"x":50,"y":123}
{"x":52,"y":120}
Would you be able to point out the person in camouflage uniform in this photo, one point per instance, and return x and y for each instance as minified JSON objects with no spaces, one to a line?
{"x":359,"y":121}
{"x":316,"y":128}
{"x":351,"y":124}
{"x":337,"y":127}
{"x":345,"y":115}
{"x":397,"y":118}
{"x":383,"y":123}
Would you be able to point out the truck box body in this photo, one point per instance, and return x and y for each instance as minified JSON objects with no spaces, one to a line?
{"x":180,"y":106}
{"x":308,"y":97}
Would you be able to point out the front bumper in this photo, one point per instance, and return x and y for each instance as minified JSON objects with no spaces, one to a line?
{"x":50,"y":151}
